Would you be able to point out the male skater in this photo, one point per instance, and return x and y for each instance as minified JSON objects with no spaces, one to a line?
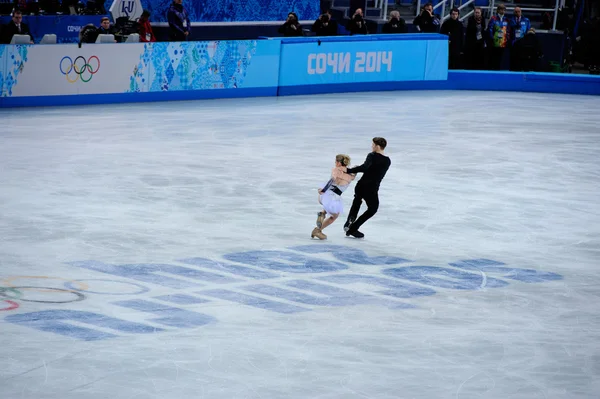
{"x":374,"y":169}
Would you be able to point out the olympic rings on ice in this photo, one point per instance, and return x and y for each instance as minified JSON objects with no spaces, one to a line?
{"x":142,"y":289}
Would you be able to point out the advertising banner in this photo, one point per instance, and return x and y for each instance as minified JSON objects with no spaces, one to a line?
{"x":318,"y":62}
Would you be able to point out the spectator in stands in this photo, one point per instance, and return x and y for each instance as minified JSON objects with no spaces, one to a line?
{"x":519,"y":26}
{"x":427,"y":21}
{"x":105,"y":28}
{"x":179,"y":22}
{"x":475,"y":41}
{"x":527,"y":53}
{"x":498,"y":34}
{"x":357,"y":25}
{"x":325,"y":25}
{"x":455,"y":30}
{"x":15,"y":27}
{"x":395,"y":24}
{"x":145,"y":29}
{"x":291,"y":27}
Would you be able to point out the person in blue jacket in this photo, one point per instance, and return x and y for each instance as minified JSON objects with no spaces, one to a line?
{"x":518,"y":28}
{"x":179,"y":22}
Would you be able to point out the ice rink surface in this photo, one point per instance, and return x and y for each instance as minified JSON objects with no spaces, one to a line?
{"x":163,"y":250}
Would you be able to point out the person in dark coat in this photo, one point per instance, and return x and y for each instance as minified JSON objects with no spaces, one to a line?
{"x":15,"y":27}
{"x":427,"y":21}
{"x":455,"y":30}
{"x":528,"y":52}
{"x":325,"y":25}
{"x":291,"y":27}
{"x":357,"y":25}
{"x":179,"y":22}
{"x":475,"y":41}
{"x":395,"y":24}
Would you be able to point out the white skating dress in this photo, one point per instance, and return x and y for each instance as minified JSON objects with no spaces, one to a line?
{"x":331,"y":198}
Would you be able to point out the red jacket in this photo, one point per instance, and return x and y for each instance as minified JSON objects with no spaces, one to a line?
{"x":146,"y":34}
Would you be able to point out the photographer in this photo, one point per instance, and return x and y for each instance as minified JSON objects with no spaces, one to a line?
{"x":325,"y":26}
{"x":427,"y":22}
{"x":395,"y":24}
{"x":357,"y":25}
{"x":291,"y":27}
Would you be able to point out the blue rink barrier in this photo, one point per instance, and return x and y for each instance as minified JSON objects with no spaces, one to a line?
{"x":66,"y":74}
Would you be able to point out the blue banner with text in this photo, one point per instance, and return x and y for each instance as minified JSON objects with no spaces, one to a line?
{"x":381,"y":58}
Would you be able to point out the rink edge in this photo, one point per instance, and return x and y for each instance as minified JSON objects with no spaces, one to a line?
{"x":457,"y":80}
{"x":118,"y":98}
{"x":468,"y":80}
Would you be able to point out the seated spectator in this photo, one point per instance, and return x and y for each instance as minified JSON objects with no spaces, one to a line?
{"x":427,"y":21}
{"x":455,"y":30}
{"x":325,"y":25}
{"x":291,"y":27}
{"x":106,"y":28}
{"x":395,"y":24}
{"x":15,"y":27}
{"x":145,"y":29}
{"x":357,"y":25}
{"x":528,"y":52}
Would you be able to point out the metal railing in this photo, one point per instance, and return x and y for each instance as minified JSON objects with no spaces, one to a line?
{"x":383,"y":6}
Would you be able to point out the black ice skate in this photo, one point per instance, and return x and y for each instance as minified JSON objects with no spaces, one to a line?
{"x":355,"y":234}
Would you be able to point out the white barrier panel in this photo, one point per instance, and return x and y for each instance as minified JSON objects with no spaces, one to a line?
{"x":67,"y":69}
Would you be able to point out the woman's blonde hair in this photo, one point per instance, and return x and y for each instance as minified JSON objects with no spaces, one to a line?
{"x":343,"y":159}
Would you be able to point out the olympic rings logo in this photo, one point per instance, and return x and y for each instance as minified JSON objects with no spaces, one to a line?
{"x":11,"y":293}
{"x":80,"y":68}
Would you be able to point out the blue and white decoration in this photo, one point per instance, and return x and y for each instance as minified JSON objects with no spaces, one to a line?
{"x":232,"y":10}
{"x":14,"y":58}
{"x":292,"y":281}
{"x":193,"y":66}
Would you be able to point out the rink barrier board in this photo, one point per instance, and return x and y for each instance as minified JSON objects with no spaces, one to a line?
{"x":35,"y":75}
{"x":138,"y":72}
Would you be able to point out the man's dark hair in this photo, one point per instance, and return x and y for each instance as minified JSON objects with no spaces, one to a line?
{"x":380,"y":141}
{"x":456,"y":10}
{"x":17,"y":12}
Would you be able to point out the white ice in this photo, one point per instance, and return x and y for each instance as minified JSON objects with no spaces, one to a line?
{"x":510,"y":177}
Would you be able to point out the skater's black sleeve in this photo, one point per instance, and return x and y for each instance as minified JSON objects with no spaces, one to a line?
{"x":362,"y":168}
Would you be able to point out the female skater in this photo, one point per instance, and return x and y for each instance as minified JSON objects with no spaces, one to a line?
{"x":330,"y":195}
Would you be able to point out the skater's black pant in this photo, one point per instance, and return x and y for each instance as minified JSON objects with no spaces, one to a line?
{"x":371,"y":197}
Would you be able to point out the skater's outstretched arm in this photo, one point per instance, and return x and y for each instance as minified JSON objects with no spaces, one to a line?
{"x":326,"y":187}
{"x":362,"y":168}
